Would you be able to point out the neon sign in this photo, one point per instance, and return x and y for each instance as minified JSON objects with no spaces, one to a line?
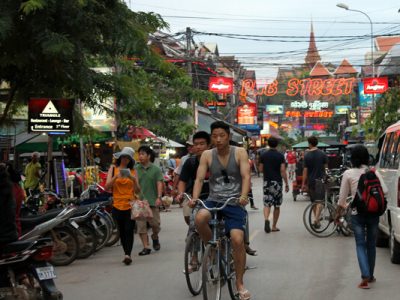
{"x":309,"y":114}
{"x":377,"y":85}
{"x":316,"y":105}
{"x":302,"y":87}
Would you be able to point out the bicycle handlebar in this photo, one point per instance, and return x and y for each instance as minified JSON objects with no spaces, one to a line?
{"x":212,"y":208}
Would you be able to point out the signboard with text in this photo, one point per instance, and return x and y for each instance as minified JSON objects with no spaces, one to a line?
{"x":377,"y":85}
{"x":274,"y":109}
{"x":247,"y":114}
{"x":342,"y":109}
{"x":309,"y":114}
{"x":222,"y":85}
{"x":50,"y":115}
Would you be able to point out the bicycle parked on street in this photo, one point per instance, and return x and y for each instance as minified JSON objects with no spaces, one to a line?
{"x":319,"y":216}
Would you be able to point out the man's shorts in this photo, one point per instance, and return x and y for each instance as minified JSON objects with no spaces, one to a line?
{"x":234,"y":215}
{"x":272,"y":193}
{"x":291,"y":167}
{"x":141,"y":226}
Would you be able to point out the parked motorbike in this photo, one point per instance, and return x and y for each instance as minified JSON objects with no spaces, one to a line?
{"x":25,"y":271}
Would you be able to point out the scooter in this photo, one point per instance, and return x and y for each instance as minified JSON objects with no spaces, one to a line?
{"x":25,"y":271}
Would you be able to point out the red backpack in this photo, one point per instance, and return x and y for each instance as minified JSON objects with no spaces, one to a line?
{"x":369,"y":198}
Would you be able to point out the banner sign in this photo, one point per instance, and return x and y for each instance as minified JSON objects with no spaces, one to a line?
{"x":309,"y":114}
{"x":274,"y":109}
{"x":50,"y":115}
{"x":222,"y":85}
{"x":247,"y":114}
{"x":302,"y":87}
{"x":342,"y":109}
{"x":377,"y":85}
{"x":316,"y":105}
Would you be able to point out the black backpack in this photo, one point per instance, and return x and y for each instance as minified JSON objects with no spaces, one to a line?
{"x":369,"y":198}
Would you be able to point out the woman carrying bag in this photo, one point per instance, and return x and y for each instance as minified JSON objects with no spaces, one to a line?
{"x":365,"y":226}
{"x":123,"y":182}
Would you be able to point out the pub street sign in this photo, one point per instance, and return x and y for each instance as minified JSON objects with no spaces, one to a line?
{"x":48,"y":115}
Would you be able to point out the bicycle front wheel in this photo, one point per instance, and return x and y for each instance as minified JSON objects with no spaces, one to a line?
{"x":193,"y":255}
{"x":211,"y":274}
{"x":318,"y":218}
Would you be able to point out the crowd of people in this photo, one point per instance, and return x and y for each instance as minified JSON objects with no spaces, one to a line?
{"x":213,"y":170}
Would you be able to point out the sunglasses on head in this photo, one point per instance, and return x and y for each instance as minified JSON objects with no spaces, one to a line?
{"x":225,"y":174}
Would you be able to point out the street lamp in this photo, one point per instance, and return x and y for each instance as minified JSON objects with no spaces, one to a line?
{"x":346,"y":7}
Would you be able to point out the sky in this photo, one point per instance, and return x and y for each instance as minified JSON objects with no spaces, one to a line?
{"x":281,"y":28}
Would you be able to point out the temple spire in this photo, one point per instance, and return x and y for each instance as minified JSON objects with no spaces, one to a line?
{"x":312,"y":56}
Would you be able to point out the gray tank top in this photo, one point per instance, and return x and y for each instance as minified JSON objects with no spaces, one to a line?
{"x":224,"y":182}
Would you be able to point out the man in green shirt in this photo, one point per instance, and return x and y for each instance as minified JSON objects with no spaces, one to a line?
{"x":32,"y":173}
{"x":151,"y":183}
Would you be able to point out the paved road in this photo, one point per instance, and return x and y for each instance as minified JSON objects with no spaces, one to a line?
{"x":291,"y":264}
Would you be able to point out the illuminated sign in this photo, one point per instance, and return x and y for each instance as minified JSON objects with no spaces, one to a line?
{"x":316,"y":105}
{"x":221,"y":85}
{"x":376,"y":85}
{"x":353,"y":117}
{"x":309,"y":114}
{"x":302,"y":87}
{"x":342,"y":109}
{"x":215,"y":103}
{"x":274,"y":109}
{"x":247,"y":114}
{"x":50,"y":115}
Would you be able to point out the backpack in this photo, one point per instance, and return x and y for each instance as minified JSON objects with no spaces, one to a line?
{"x":369,"y":198}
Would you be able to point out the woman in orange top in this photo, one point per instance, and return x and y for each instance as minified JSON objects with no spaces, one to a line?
{"x":123,"y":182}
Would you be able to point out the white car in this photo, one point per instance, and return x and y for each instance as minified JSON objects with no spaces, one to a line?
{"x":389,"y":170}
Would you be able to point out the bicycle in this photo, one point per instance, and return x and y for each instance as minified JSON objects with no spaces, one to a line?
{"x":217,"y":263}
{"x":325,"y":225}
{"x":194,"y":250}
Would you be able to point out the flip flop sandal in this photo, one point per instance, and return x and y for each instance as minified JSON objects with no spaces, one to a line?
{"x":244,"y":295}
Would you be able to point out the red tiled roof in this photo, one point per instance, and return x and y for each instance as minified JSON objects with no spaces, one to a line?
{"x":319,"y":70}
{"x":385,"y":43}
{"x":345,"y":68}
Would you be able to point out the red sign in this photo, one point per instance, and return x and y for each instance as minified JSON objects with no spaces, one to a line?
{"x":302,"y":87}
{"x":376,"y":85}
{"x":309,"y":114}
{"x":247,"y":114}
{"x":220,"y":85}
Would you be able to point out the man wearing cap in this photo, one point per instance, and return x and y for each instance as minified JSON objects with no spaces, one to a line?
{"x":32,"y":173}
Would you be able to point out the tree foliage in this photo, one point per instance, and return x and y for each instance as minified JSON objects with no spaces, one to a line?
{"x":49,"y":48}
{"x":386,"y":113}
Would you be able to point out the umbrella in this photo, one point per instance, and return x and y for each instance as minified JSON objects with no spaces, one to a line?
{"x":305,"y":145}
{"x":140,"y":133}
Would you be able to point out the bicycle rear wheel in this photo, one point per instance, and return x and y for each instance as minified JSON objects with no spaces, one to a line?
{"x":231,"y":276}
{"x":211,"y":274}
{"x":194,"y":250}
{"x":324,"y":226}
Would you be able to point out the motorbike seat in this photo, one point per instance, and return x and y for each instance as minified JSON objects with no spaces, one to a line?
{"x":17,"y":247}
{"x":31,"y":221}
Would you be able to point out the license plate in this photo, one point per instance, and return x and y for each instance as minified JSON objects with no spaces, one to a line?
{"x":45,"y":273}
{"x":74,"y":224}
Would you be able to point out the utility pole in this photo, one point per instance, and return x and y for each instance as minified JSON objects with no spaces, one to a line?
{"x":189,"y":70}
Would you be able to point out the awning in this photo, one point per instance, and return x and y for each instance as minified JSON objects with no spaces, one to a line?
{"x":170,"y":143}
{"x":304,"y":145}
{"x":205,"y":120}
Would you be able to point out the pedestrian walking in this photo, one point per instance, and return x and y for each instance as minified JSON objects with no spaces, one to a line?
{"x":292,"y":160}
{"x":315,"y":163}
{"x":18,"y":192}
{"x":272,"y":164}
{"x":365,"y":226}
{"x":151,"y":182}
{"x":123,"y":182}
{"x":32,"y":173}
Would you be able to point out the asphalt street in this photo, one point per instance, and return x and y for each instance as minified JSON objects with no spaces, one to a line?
{"x":291,"y":264}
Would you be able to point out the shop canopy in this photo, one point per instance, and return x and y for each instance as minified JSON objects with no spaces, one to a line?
{"x":304,"y":145}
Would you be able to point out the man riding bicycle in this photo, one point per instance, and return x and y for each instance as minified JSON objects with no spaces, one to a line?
{"x":229,"y":176}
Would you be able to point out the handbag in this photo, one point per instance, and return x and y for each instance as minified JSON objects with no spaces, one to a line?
{"x":141,"y":211}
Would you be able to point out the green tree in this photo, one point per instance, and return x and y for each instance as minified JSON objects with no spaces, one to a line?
{"x":49,"y":47}
{"x":386,"y":113}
